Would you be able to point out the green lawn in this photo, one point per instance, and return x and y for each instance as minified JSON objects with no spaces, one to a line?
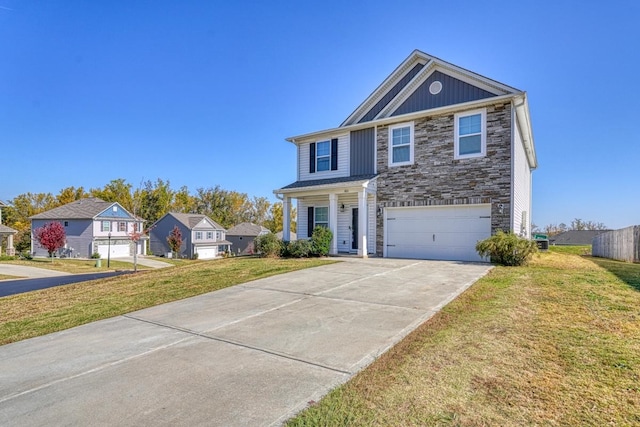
{"x":556,"y":343}
{"x":40,"y":312}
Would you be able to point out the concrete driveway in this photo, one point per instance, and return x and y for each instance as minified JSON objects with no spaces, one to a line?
{"x":28,"y":272}
{"x":254,"y":354}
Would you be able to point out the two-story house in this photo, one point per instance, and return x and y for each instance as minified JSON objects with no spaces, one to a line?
{"x":435,"y":159}
{"x":91,"y":226}
{"x":200,"y":235}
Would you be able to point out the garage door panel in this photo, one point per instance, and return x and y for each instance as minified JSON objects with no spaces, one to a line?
{"x":443,"y":233}
{"x":207,"y":252}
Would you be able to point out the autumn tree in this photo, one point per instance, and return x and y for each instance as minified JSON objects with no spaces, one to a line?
{"x":153,"y":200}
{"x":183,"y":202}
{"x":51,"y":237}
{"x":118,"y":190}
{"x":175,"y":240}
{"x":275,"y":218}
{"x":70,"y":194}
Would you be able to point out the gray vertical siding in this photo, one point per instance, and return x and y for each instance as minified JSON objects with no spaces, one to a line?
{"x":159,"y":233}
{"x":79,"y":235}
{"x":363,"y":145}
{"x":454,"y":91}
{"x":391,"y":94}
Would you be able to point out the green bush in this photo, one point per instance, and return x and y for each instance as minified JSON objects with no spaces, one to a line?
{"x":298,"y":249}
{"x":95,"y":255}
{"x":268,"y":245}
{"x":507,"y":249}
{"x":321,"y":241}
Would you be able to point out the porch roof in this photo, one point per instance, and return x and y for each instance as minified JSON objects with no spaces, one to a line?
{"x":316,"y":184}
{"x":7,"y":230}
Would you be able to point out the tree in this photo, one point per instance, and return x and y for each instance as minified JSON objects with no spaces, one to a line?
{"x":175,"y":240}
{"x":115,"y":191}
{"x":70,"y":194}
{"x":153,"y":200}
{"x":274,"y":220}
{"x":51,"y":237}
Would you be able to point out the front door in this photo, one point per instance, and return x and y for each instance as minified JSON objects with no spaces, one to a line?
{"x":354,"y":229}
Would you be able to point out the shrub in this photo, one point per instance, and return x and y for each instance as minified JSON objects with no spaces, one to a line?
{"x":507,"y":249}
{"x":321,"y":241}
{"x":95,"y":255}
{"x":268,"y":245}
{"x":298,"y":249}
{"x":26,"y":255}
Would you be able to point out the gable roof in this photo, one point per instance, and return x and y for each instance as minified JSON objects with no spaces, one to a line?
{"x":411,"y":74}
{"x":575,"y":237}
{"x":192,"y":220}
{"x":247,"y":229}
{"x":7,"y":230}
{"x":405,"y":95}
{"x":87,"y":208}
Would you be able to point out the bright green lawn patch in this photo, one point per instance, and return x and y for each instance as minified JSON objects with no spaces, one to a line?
{"x":75,"y":266}
{"x":41,"y":312}
{"x":556,"y":343}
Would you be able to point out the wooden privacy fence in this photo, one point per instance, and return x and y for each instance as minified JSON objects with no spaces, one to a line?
{"x":622,"y":244}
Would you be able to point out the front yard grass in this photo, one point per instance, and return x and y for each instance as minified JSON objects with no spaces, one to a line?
{"x":556,"y":343}
{"x":41,"y":312}
{"x":74,"y":266}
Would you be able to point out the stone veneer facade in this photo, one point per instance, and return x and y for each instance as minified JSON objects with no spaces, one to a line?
{"x":436,"y":178}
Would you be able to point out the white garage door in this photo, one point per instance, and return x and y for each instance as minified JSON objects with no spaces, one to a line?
{"x":436,"y":232}
{"x":117,"y":251}
{"x":207,"y":252}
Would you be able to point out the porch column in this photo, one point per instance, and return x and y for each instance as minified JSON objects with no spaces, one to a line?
{"x":362,"y":223}
{"x":286,"y":219}
{"x":333,"y":222}
{"x":10,"y":250}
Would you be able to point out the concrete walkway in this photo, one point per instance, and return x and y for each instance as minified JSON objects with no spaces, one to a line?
{"x":253,"y":354}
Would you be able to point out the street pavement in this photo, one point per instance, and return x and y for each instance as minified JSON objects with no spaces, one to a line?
{"x":249,"y":355}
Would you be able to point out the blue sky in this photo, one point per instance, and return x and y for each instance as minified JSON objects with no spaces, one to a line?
{"x":203,"y":93}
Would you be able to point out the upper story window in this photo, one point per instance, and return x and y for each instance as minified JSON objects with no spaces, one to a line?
{"x":401,"y":144}
{"x":218,"y":235}
{"x":323,"y":156}
{"x":122,"y":226}
{"x":198,"y":235}
{"x":209,"y":235}
{"x":106,"y":225}
{"x":470,"y":134}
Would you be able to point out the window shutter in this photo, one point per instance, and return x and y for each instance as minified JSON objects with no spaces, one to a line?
{"x":310,"y":221}
{"x":312,"y":157}
{"x":334,"y":154}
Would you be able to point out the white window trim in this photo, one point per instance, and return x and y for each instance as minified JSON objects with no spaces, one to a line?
{"x":483,"y":134}
{"x":390,"y":144}
{"x":102,"y":226}
{"x":198,"y":235}
{"x":327,"y":156}
{"x":315,"y":210}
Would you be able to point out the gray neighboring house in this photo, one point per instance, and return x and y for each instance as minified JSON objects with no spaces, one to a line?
{"x":6,"y":232}
{"x":435,"y":159}
{"x":575,"y":237}
{"x":200,"y":235}
{"x":92,"y":225}
{"x":243,"y":235}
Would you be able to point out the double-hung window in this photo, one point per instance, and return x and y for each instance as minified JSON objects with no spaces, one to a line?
{"x":106,"y":225}
{"x":209,"y":235}
{"x":198,"y":235}
{"x":122,"y":226}
{"x":323,"y":156}
{"x":321,"y":216}
{"x":470,"y":134}
{"x":401,"y":144}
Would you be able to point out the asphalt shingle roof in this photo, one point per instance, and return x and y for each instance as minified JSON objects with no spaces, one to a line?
{"x":327,"y":181}
{"x":191,"y":220}
{"x":80,"y":209}
{"x":247,"y":229}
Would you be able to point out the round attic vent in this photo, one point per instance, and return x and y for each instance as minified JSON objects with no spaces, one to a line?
{"x":435,"y":88}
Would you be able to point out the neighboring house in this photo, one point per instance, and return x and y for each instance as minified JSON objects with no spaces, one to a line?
{"x":575,"y":237}
{"x":6,"y":232}
{"x":92,"y":226}
{"x":435,"y":159}
{"x":200,"y":235}
{"x":243,"y":235}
